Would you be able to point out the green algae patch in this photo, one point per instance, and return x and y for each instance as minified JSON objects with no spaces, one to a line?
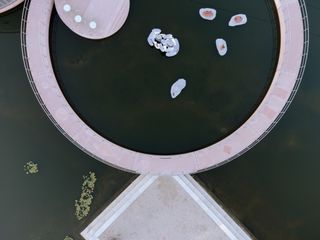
{"x":31,"y":168}
{"x":83,"y":204}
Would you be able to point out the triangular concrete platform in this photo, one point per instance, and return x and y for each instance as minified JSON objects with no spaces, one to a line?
{"x":164,"y":208}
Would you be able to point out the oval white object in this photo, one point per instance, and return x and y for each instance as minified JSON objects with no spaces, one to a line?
{"x":175,"y":49}
{"x":93,"y":25}
{"x":152,"y":35}
{"x":177,"y":87}
{"x":221,"y":46}
{"x":233,"y":21}
{"x":77,"y":18}
{"x":67,"y":8}
{"x":208,"y":13}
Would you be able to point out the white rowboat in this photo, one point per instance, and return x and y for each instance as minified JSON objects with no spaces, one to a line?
{"x":221,"y":46}
{"x":208,"y":13}
{"x":177,"y":87}
{"x":238,"y":20}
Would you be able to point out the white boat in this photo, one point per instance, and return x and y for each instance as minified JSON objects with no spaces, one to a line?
{"x":238,"y":20}
{"x":172,"y":51}
{"x":221,"y":46}
{"x":177,"y":87}
{"x":208,"y":13}
{"x":152,"y":36}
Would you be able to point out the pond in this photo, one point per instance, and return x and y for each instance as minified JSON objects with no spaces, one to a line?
{"x":273,"y":189}
{"x":41,"y":205}
{"x":120,"y":86}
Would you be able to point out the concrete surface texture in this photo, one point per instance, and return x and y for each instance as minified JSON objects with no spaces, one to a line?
{"x":164,"y":208}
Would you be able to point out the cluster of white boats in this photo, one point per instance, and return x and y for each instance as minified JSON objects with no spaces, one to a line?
{"x":166,"y":43}
{"x":169,"y":45}
{"x":236,"y":20}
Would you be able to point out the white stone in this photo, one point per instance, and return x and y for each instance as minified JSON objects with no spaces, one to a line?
{"x":208,"y":13}
{"x":92,"y":24}
{"x":67,"y":8}
{"x":77,"y":18}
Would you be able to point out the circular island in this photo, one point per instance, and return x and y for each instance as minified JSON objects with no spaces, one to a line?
{"x":120,"y":111}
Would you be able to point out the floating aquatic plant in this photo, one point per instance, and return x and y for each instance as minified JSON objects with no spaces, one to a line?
{"x":68,"y":238}
{"x":83,"y":204}
{"x":31,"y":168}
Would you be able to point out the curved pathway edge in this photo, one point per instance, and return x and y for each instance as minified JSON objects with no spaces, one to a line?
{"x":294,"y":31}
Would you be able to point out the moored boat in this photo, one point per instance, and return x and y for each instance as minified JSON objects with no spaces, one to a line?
{"x":221,"y":46}
{"x":177,"y":87}
{"x":238,"y":20}
{"x":208,"y":13}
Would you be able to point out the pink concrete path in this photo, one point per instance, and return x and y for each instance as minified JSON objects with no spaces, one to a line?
{"x":98,"y":18}
{"x":53,"y":101}
{"x":6,"y":5}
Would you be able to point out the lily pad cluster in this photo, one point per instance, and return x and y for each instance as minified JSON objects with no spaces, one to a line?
{"x":83,"y":204}
{"x":31,"y":167}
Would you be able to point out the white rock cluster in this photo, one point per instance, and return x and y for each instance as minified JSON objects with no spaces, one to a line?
{"x":166,"y":43}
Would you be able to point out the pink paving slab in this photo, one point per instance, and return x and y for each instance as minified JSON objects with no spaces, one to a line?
{"x":94,"y":19}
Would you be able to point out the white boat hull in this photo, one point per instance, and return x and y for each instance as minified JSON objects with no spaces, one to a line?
{"x":177,"y":87}
{"x":208,"y":13}
{"x":234,"y":23}
{"x":221,"y":46}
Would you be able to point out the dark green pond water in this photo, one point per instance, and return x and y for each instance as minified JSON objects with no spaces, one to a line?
{"x":273,"y":189}
{"x":41,"y":206}
{"x":121,"y":87}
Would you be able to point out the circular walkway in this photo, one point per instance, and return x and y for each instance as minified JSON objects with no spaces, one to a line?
{"x":291,"y":64}
{"x":6,"y":5}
